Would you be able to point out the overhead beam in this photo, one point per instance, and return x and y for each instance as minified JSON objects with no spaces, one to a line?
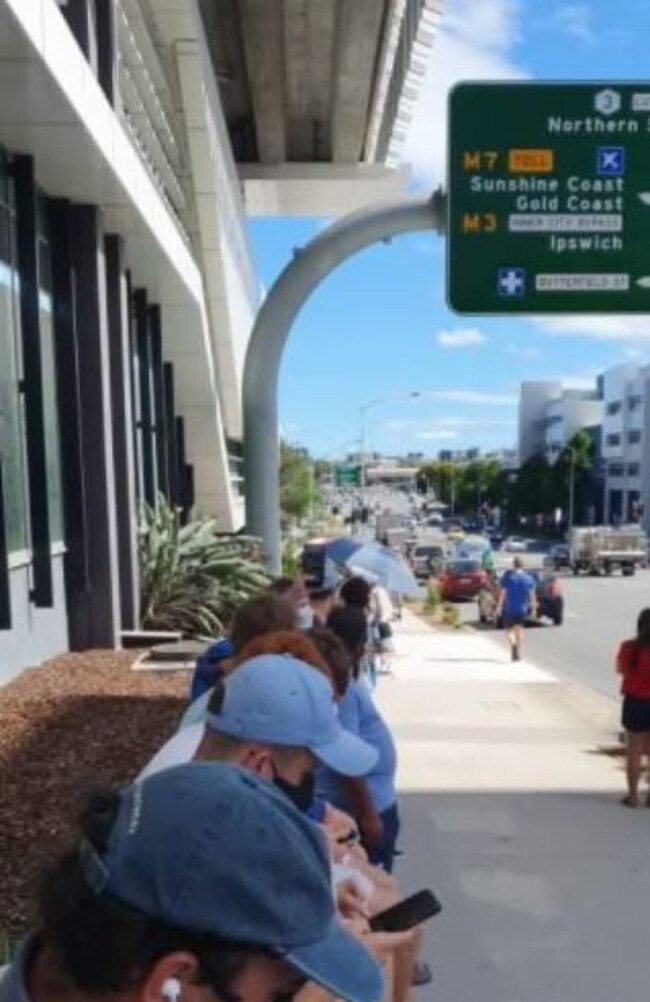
{"x":263,"y":34}
{"x":358,"y":36}
{"x":309,"y":27}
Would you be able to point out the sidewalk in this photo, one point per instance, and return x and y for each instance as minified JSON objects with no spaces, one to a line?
{"x":512,"y":816}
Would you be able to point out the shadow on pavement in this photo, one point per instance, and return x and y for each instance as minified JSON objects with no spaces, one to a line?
{"x":544,"y":894}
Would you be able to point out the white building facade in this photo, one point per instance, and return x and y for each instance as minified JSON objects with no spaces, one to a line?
{"x":135,"y":136}
{"x":550,"y":414}
{"x":626,"y":443}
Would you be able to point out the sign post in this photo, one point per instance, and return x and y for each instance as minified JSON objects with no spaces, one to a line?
{"x":549,"y":198}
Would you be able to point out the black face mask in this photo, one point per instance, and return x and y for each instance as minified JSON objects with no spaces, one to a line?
{"x":300,"y":794}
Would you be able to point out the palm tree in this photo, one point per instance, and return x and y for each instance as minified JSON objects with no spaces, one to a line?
{"x":575,"y":467}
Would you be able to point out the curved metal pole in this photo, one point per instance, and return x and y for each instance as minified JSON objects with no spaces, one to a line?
{"x":261,"y":371}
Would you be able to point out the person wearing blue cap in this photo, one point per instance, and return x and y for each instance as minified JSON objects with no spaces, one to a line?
{"x":275,"y":715}
{"x":178,"y":889}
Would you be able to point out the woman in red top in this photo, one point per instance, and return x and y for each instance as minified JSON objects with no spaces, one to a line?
{"x":633,"y":663}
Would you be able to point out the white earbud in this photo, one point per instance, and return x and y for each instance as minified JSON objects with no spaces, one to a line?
{"x":171,"y":990}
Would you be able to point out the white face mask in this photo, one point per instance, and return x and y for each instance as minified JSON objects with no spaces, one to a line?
{"x":305,"y":617}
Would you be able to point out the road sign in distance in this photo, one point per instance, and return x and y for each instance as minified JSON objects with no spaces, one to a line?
{"x":347,"y":476}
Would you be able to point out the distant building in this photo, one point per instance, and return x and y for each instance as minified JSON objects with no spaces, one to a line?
{"x":625,"y":391}
{"x":550,"y":414}
{"x":459,"y":455}
{"x":507,"y":458}
{"x":616,"y":413}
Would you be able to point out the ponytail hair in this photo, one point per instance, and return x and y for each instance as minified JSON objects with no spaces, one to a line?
{"x":643,"y":628}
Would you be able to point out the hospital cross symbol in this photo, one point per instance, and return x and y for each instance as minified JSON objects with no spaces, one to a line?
{"x":511,"y":281}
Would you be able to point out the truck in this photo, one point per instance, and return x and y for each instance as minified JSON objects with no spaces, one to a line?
{"x":603,"y":548}
{"x":390,"y":523}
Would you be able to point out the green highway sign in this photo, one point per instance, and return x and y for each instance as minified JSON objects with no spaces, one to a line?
{"x":347,"y":476}
{"x":549,"y":198}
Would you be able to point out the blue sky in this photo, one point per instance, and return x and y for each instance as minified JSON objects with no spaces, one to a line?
{"x":379,"y":325}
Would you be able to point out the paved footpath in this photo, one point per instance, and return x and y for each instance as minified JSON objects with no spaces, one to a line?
{"x":512,"y":815}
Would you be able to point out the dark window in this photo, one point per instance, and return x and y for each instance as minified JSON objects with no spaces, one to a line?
{"x":614,"y":407}
{"x":50,"y":412}
{"x":633,"y":470}
{"x":12,"y":442}
{"x":613,"y":439}
{"x":634,"y":436}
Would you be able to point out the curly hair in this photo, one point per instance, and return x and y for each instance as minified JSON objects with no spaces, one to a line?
{"x":286,"y":642}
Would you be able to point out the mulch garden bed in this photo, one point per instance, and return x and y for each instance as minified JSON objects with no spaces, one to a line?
{"x":79,"y":722}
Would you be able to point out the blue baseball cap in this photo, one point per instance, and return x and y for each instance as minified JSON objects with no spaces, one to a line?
{"x":212,"y":848}
{"x":279,"y":700}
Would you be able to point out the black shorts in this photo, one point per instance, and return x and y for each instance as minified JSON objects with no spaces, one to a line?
{"x":511,"y":619}
{"x":636,"y":714}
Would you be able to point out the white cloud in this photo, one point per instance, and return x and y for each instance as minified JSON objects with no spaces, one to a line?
{"x":476,"y":397}
{"x":575,"y":20}
{"x":599,"y":327}
{"x":438,"y":435}
{"x":419,"y":425}
{"x":474,"y":42}
{"x":464,"y":337}
{"x":524,"y":351}
{"x":634,"y":354}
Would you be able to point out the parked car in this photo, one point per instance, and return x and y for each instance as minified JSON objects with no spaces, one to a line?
{"x":550,"y":600}
{"x":514,"y":544}
{"x":474,"y":526}
{"x":495,"y":535}
{"x":427,"y":559}
{"x":559,"y":557}
{"x":460,"y":579}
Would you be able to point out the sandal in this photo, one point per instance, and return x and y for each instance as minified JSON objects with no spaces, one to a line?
{"x":629,"y":801}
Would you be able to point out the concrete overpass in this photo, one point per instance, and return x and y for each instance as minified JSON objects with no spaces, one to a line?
{"x":317,"y":96}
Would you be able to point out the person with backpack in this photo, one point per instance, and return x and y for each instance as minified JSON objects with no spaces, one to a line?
{"x":633,"y":664}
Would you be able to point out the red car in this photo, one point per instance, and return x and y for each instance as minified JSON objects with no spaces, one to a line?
{"x":461,"y":579}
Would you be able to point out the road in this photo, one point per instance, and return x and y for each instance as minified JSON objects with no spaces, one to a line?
{"x":599,"y":613}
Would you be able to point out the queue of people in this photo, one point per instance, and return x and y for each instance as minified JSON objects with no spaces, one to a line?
{"x":249,"y":857}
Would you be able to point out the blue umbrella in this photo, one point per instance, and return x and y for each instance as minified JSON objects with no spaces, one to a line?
{"x":340,"y":550}
{"x":388,"y":567}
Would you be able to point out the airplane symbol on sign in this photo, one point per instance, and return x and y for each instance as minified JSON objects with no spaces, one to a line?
{"x":610,"y":161}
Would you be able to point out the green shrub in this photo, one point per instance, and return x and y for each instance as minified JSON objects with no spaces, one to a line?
{"x":191,"y":578}
{"x":290,"y":561}
{"x":449,"y":615}
{"x":432,"y":598}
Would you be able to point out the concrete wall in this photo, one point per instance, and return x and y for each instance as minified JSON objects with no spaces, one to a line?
{"x":36,"y":634}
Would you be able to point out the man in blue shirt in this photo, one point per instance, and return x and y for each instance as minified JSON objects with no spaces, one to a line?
{"x":517,"y":600}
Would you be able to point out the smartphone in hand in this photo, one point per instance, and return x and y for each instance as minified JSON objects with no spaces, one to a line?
{"x":407,"y":914}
